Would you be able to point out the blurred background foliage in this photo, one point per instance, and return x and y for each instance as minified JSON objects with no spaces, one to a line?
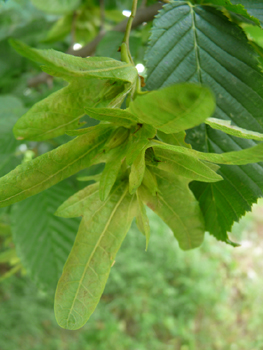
{"x":210,"y":298}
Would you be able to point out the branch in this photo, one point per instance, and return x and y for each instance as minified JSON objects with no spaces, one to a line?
{"x":145,"y":14}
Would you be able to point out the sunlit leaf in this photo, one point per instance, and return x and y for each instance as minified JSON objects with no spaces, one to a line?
{"x":174,"y":108}
{"x":225,"y":126}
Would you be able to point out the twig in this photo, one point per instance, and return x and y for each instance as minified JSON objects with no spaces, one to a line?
{"x":143,"y":15}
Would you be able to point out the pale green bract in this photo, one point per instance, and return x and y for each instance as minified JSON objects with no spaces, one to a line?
{"x":93,"y":82}
{"x":177,"y":207}
{"x":225,"y":126}
{"x":45,"y":171}
{"x":86,"y":271}
{"x":174,"y":108}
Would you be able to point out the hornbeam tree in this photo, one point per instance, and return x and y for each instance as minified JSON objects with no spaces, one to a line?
{"x":184,"y":139}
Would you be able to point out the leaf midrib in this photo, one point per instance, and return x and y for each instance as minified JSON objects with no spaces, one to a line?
{"x":94,"y":249}
{"x":53,"y":175}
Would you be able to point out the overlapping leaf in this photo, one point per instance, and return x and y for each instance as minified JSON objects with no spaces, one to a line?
{"x":174,"y":108}
{"x":71,"y":67}
{"x":232,"y":9}
{"x":225,"y":126}
{"x":113,"y":115}
{"x":45,"y":171}
{"x":199,"y":44}
{"x":185,"y":165}
{"x":86,"y":271}
{"x":178,"y":208}
{"x":43,"y":241}
{"x":254,"y":8}
{"x":93,"y":82}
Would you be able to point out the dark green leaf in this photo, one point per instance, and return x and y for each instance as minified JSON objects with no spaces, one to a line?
{"x":199,"y":44}
{"x":43,"y":241}
{"x":254,"y":8}
{"x":235,"y":12}
{"x":11,"y":110}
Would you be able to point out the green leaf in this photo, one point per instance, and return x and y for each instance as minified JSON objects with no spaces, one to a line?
{"x":113,"y":115}
{"x":150,"y":182}
{"x":62,"y":110}
{"x":50,"y":168}
{"x":56,"y":7}
{"x":95,"y":178}
{"x":93,"y":82}
{"x":184,"y":165}
{"x":7,"y":255}
{"x":254,"y":34}
{"x":177,"y":139}
{"x":137,"y":172}
{"x":60,"y":29}
{"x":111,"y":171}
{"x":11,"y":110}
{"x":235,"y":12}
{"x":87,"y":269}
{"x":219,"y":210}
{"x":199,"y":44}
{"x":71,"y":67}
{"x":178,"y":208}
{"x":174,"y":108}
{"x":243,"y":157}
{"x":43,"y":241}
{"x":139,"y":141}
{"x":254,"y":8}
{"x":142,"y":220}
{"x":86,"y":200}
{"x":225,"y":126}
